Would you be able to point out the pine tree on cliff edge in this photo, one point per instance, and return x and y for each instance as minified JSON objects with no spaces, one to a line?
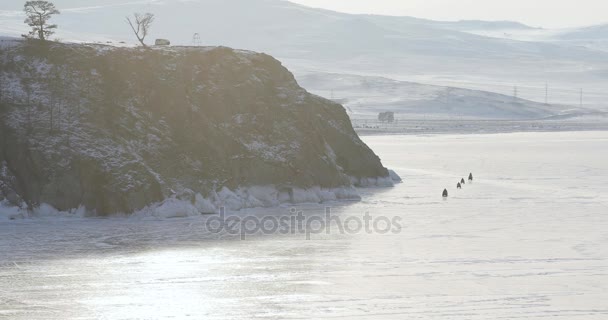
{"x":38,"y":14}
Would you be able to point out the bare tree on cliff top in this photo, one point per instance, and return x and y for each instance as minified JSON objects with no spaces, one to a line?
{"x":141,"y":26}
{"x":38,"y":14}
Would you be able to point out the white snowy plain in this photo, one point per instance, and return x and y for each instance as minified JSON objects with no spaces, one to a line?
{"x":527,"y":240}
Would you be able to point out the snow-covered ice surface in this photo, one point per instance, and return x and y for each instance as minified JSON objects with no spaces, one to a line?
{"x":527,"y":240}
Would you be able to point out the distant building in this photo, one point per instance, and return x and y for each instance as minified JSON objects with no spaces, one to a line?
{"x":162,"y":42}
{"x":386,"y":117}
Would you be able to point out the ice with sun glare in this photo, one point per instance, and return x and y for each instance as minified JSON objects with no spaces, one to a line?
{"x":527,"y":239}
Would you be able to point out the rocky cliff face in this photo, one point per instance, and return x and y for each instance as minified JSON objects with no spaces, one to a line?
{"x":116,"y":129}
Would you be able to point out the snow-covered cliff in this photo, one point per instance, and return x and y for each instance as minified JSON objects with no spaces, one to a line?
{"x":118,"y":129}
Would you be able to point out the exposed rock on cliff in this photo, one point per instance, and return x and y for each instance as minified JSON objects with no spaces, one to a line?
{"x":117,"y":129}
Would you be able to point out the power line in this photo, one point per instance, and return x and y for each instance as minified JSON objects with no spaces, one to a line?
{"x":499,"y":87}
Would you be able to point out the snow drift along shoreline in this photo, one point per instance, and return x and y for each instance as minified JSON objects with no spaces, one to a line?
{"x":187,"y":203}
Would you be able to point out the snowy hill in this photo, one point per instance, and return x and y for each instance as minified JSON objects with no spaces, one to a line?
{"x":593,"y":37}
{"x":118,"y":129}
{"x":474,"y":55}
{"x":599,"y":32}
{"x":465,"y":25}
{"x":367,"y":96}
{"x":308,"y":39}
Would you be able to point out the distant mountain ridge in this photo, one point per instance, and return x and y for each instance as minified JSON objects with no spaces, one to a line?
{"x":599,"y":32}
{"x":308,"y":40}
{"x":365,"y":97}
{"x":289,"y":30}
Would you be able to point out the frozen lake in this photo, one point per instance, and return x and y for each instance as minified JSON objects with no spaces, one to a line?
{"x":527,"y":240}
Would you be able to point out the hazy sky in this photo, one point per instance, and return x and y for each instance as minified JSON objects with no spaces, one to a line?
{"x":541,"y":13}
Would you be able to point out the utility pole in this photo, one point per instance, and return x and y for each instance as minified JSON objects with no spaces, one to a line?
{"x":546,"y":93}
{"x":514,"y":92}
{"x":447,"y":97}
{"x":581,"y":105}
